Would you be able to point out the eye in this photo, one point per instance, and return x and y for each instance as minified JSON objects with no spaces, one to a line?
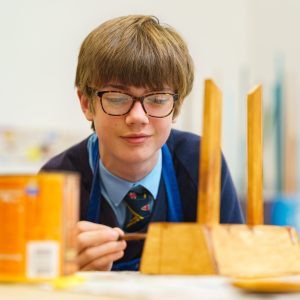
{"x":116,"y":98}
{"x":158,"y":99}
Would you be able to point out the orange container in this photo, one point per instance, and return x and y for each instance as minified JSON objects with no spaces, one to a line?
{"x":38,"y":216}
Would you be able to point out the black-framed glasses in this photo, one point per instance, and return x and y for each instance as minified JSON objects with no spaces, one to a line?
{"x":157,"y":105}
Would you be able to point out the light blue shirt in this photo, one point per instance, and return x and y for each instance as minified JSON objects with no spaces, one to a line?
{"x":114,"y":188}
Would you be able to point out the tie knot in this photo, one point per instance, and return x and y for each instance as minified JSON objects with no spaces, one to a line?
{"x":138,"y":191}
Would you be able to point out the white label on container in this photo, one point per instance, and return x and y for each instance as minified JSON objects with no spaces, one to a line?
{"x":42,"y":259}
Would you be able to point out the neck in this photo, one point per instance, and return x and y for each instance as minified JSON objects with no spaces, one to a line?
{"x":132,"y":172}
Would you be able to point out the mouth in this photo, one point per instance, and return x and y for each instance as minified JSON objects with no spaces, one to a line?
{"x":136,"y":138}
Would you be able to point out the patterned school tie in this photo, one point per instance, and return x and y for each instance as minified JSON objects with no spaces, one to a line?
{"x":139,"y":202}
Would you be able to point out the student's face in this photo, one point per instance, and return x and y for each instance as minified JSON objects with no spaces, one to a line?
{"x":130,"y":141}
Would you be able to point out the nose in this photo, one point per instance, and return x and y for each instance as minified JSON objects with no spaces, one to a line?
{"x":137,"y":114}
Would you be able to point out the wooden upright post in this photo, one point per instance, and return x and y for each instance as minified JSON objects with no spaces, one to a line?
{"x":255,"y":168}
{"x":208,"y":211}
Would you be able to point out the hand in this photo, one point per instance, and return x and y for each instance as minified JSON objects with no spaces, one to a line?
{"x":98,"y":246}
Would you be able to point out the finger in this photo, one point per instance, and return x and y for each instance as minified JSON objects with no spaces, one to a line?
{"x":95,"y":253}
{"x":88,"y":226}
{"x":94,"y":238}
{"x":104,"y":263}
{"x":119,"y":231}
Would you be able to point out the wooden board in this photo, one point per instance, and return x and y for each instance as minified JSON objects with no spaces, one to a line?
{"x":228,"y":250}
{"x":258,"y":251}
{"x":177,"y":248}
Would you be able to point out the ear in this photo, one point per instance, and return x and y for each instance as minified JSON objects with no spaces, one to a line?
{"x":174,"y":120}
{"x":84,"y":103}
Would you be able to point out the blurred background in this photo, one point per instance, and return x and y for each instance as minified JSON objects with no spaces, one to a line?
{"x":238,"y":43}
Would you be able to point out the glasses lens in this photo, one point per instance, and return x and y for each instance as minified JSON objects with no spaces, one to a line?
{"x":159,"y":105}
{"x":115,"y":103}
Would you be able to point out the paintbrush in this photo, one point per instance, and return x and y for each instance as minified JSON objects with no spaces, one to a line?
{"x":132,"y":237}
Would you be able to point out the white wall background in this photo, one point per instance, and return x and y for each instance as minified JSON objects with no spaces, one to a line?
{"x":232,"y":41}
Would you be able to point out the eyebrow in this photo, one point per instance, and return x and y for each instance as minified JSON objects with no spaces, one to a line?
{"x":122,"y":87}
{"x":117,"y":86}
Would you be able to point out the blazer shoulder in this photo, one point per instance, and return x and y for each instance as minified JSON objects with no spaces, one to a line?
{"x":74,"y":158}
{"x":183,"y":141}
{"x":185,"y":149}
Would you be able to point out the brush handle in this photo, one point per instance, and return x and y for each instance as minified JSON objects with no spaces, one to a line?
{"x":133,"y":237}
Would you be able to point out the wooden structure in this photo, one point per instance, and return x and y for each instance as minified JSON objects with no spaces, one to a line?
{"x":206,"y":247}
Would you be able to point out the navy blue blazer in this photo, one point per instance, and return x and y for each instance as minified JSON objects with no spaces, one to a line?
{"x":184,"y":148}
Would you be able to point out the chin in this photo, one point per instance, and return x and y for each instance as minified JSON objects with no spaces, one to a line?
{"x":136,"y":157}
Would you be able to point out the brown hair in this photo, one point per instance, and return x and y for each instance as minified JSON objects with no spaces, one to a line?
{"x":135,"y":50}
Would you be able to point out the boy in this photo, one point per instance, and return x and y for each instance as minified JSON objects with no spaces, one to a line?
{"x":132,"y":76}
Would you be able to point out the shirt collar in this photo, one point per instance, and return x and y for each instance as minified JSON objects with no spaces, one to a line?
{"x":116,"y":188}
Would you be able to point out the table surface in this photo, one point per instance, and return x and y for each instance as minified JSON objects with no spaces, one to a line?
{"x":136,"y":286}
